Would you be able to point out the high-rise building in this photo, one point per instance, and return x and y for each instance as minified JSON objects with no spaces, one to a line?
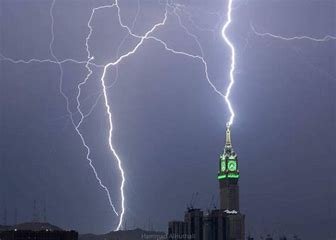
{"x":233,"y":222}
{"x":226,"y":223}
{"x":193,"y":219}
{"x":176,"y":227}
{"x":220,"y":224}
{"x":228,"y":176}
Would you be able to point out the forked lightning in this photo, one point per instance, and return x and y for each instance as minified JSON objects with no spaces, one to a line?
{"x":171,"y":10}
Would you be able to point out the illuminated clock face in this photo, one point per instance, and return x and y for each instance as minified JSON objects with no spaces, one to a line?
{"x":232,"y":166}
{"x":223,"y":166}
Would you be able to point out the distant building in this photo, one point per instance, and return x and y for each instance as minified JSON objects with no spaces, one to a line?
{"x":38,"y":235}
{"x":226,"y":223}
{"x":221,"y":224}
{"x":175,"y":229}
{"x":193,"y":219}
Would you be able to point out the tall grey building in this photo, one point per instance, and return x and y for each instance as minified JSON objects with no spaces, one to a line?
{"x":176,"y":229}
{"x":229,"y":222}
{"x":226,"y":223}
{"x":228,"y":176}
{"x":193,"y":219}
{"x":223,"y":225}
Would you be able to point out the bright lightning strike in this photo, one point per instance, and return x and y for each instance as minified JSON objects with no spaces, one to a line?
{"x":76,"y":126}
{"x":170,"y":9}
{"x":323,"y":39}
{"x":233,"y":62}
{"x":106,"y":102}
{"x":147,"y":37}
{"x":34,"y":60}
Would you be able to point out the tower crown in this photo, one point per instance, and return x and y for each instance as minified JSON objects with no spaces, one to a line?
{"x":228,"y":164}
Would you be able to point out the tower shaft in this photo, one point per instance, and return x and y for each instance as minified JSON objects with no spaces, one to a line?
{"x":229,"y":194}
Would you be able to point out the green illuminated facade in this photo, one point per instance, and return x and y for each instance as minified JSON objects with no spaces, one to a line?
{"x":228,"y":176}
{"x":228,"y":164}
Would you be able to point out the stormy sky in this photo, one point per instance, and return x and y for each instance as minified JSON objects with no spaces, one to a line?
{"x":169,"y":125}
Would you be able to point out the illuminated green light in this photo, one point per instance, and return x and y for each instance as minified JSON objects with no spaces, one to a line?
{"x":232,"y":165}
{"x":223,"y":166}
{"x":232,"y":175}
{"x":221,"y":176}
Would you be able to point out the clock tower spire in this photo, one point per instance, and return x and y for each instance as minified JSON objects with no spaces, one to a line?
{"x":228,"y":136}
{"x":228,"y":176}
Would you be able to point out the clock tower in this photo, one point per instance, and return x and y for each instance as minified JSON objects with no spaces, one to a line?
{"x":228,"y":176}
{"x":225,"y":223}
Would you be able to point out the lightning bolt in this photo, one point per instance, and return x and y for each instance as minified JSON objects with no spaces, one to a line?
{"x":77,"y":126}
{"x":298,"y":38}
{"x":105,"y":94}
{"x":121,"y":58}
{"x":266,"y":34}
{"x":194,"y":24}
{"x":147,"y":37}
{"x":232,"y":64}
{"x":34,"y":60}
{"x":225,"y":96}
{"x":170,"y":9}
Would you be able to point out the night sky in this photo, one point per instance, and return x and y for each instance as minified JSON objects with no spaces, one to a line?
{"x":169,"y":125}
